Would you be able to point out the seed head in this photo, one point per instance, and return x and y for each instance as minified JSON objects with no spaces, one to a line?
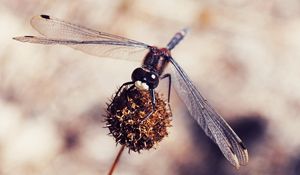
{"x":125,"y":115}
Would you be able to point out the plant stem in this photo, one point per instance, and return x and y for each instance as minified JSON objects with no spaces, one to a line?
{"x":116,"y":161}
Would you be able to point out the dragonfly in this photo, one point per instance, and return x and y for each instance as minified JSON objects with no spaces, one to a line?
{"x":154,"y":61}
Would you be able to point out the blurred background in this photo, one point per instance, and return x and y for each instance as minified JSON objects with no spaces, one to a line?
{"x":243,"y":55}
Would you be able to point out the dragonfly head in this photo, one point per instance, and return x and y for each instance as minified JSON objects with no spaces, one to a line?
{"x":145,"y":79}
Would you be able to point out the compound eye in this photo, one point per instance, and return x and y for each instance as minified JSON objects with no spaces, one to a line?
{"x":152,"y":80}
{"x":138,"y":74}
{"x":153,"y":76}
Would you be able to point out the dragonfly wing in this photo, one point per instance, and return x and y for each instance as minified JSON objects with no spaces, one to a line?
{"x":116,"y":51}
{"x":90,"y":41}
{"x":99,"y":48}
{"x":214,"y":126}
{"x":52,"y":27}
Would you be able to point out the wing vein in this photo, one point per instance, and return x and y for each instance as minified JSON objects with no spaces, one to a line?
{"x":211,"y":122}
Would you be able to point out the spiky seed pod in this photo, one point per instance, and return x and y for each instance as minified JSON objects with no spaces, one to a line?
{"x":125,"y":116}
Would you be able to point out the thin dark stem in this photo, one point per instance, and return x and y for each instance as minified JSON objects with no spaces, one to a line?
{"x":116,"y":161}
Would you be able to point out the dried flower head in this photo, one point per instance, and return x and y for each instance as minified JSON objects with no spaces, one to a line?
{"x":125,"y":116}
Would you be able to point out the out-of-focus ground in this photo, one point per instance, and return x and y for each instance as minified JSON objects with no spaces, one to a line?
{"x":244,"y":56}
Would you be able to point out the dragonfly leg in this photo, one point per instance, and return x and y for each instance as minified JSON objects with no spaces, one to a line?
{"x":169,"y":89}
{"x":117,"y":93}
{"x":169,"y":85}
{"x":153,"y":101}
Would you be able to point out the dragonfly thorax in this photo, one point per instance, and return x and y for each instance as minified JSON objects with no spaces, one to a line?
{"x":144,"y":78}
{"x":156,"y":59}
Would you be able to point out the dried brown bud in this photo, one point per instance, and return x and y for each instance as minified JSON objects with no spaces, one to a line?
{"x":125,"y":117}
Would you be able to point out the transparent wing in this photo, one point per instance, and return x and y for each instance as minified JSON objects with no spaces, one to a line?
{"x":90,"y":41}
{"x":210,"y":121}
